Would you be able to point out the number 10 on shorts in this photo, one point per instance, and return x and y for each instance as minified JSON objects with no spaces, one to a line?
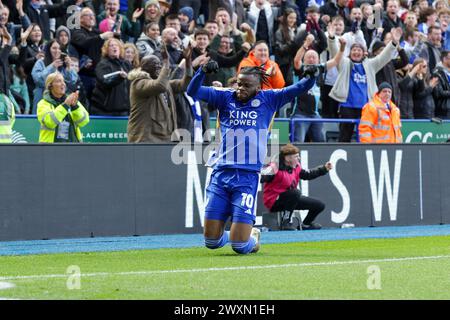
{"x":247,"y":200}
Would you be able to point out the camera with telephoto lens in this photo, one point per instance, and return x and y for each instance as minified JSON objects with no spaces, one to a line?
{"x":312,"y":70}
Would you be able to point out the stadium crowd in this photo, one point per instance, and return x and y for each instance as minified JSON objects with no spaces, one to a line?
{"x":102,"y":47}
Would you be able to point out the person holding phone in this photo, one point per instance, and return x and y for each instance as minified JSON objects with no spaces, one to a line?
{"x":53,"y":61}
{"x":60,"y":113}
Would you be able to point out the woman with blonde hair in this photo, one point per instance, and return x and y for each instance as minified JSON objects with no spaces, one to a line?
{"x":111,"y":93}
{"x":132,"y":55}
{"x":61,"y":115}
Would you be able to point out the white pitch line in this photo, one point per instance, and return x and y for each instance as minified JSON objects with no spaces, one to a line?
{"x":270,"y":266}
{"x":6,"y":285}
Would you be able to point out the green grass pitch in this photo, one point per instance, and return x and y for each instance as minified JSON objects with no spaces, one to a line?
{"x":406,"y":268}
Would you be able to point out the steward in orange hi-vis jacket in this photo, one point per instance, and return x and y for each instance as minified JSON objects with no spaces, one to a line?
{"x":380,"y":119}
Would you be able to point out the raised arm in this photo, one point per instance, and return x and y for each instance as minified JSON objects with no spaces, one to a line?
{"x":337,"y":58}
{"x":195,"y":88}
{"x":287,"y":94}
{"x":386,"y":55}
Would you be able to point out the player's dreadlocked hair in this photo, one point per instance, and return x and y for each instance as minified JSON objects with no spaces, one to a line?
{"x":258,"y":72}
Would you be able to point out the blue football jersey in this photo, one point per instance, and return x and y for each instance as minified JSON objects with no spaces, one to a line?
{"x":244,"y":127}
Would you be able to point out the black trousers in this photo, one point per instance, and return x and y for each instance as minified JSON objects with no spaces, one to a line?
{"x":293,"y":200}
{"x":346,"y":129}
{"x":329,"y":105}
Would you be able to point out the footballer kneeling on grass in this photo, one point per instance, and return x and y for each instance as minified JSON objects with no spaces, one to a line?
{"x":244,"y":116}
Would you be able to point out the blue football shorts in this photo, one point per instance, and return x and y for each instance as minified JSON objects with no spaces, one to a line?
{"x":232,"y":193}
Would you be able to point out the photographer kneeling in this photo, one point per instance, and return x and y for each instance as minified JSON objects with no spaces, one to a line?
{"x":280,"y":187}
{"x":61,"y":116}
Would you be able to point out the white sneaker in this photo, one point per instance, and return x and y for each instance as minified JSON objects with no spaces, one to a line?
{"x":256,"y":234}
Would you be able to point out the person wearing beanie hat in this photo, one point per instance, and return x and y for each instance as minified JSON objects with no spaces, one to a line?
{"x":152,"y":11}
{"x":188,"y":12}
{"x":63,"y":36}
{"x":155,"y":3}
{"x":384,"y":85}
{"x":186,"y":17}
{"x":388,"y":73}
{"x":380,"y":118}
{"x":280,"y":192}
{"x":358,"y":45}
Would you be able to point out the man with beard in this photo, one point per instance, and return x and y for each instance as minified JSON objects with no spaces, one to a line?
{"x":247,"y":111}
{"x":153,"y":116}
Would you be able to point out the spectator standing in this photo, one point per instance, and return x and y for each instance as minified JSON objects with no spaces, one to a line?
{"x":187,"y":22}
{"x":111,"y":93}
{"x":126,"y":28}
{"x":31,"y":50}
{"x":89,"y":41}
{"x":259,"y":57}
{"x":131,"y":55}
{"x":14,"y":29}
{"x":18,"y":85}
{"x":391,"y":19}
{"x":307,"y":104}
{"x":333,"y":8}
{"x":150,"y":40}
{"x":442,"y":90}
{"x":444,"y":21}
{"x":429,"y":18}
{"x":284,"y":44}
{"x":153,"y":13}
{"x":225,"y":49}
{"x":261,"y":18}
{"x":201,"y":47}
{"x":62,"y":34}
{"x":172,"y":21}
{"x":356,"y":80}
{"x":153,"y":115}
{"x":413,"y":43}
{"x":380,"y":119}
{"x":228,"y":26}
{"x":329,"y":105}
{"x":387,"y":73}
{"x":173,"y":44}
{"x":411,"y":20}
{"x":312,"y":27}
{"x":61,"y":115}
{"x":53,"y":61}
{"x":407,"y":83}
{"x":7,"y":112}
{"x":433,"y":46}
{"x":230,"y":7}
{"x":355,"y":34}
{"x":40,"y":13}
{"x":424,"y":107}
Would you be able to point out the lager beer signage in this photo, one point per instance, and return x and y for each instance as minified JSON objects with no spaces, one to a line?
{"x":106,"y":130}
